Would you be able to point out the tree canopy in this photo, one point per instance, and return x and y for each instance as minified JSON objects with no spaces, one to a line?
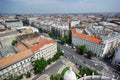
{"x":40,"y":65}
{"x":87,"y":71}
{"x":65,"y":39}
{"x":14,"y":42}
{"x":89,"y":54}
{"x":51,"y":34}
{"x":82,"y":49}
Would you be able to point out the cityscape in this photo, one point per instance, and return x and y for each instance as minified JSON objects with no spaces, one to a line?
{"x":59,"y":40}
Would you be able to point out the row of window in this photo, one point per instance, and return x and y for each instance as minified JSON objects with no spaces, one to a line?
{"x":47,"y":51}
{"x":96,"y":48}
{"x":16,"y":65}
{"x":17,"y":71}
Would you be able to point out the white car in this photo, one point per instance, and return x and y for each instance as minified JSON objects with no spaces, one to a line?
{"x":62,"y":51}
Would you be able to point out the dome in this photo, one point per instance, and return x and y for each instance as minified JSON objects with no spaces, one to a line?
{"x":69,"y":75}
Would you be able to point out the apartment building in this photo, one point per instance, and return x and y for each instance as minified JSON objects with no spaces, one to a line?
{"x":116,"y":59}
{"x":98,"y":39}
{"x":13,"y":24}
{"x":29,"y":48}
{"x":60,"y":29}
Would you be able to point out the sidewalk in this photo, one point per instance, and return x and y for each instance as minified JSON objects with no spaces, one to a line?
{"x":33,"y":75}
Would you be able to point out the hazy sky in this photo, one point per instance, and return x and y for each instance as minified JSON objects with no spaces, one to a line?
{"x":59,"y":6}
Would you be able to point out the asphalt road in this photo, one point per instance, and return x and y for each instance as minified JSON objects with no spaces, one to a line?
{"x":70,"y":54}
{"x":51,"y":70}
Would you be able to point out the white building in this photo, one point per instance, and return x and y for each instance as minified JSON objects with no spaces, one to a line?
{"x":13,"y":24}
{"x":74,"y":23}
{"x":30,"y":48}
{"x":98,"y":39}
{"x":28,"y":27}
{"x":60,"y":30}
{"x":2,"y":26}
{"x":116,"y":59}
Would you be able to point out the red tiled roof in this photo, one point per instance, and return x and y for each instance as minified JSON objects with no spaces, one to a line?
{"x":13,"y":58}
{"x":37,"y":47}
{"x":85,"y":37}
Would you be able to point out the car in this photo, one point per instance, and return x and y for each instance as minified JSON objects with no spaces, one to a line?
{"x":74,"y":47}
{"x":84,"y":62}
{"x":73,"y":56}
{"x":96,"y":64}
{"x":62,"y":51}
{"x":66,"y":45}
{"x":77,"y":64}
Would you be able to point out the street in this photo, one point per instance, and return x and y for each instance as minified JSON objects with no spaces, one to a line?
{"x":68,"y":53}
{"x":81,"y":60}
{"x":51,"y":70}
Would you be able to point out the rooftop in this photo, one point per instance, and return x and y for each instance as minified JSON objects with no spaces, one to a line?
{"x":6,"y":51}
{"x":28,"y":44}
{"x":6,"y":61}
{"x":86,"y":37}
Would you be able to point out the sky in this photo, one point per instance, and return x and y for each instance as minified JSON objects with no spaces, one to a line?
{"x":58,"y":6}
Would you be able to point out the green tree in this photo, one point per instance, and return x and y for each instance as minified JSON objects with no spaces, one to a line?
{"x":82,"y":49}
{"x":40,"y":65}
{"x":49,"y":60}
{"x":56,"y":77}
{"x":90,"y":54}
{"x":62,"y":40}
{"x":65,"y":39}
{"x":14,"y":42}
{"x":21,"y":76}
{"x":13,"y":77}
{"x":25,"y":22}
{"x":28,"y":75}
{"x":52,"y":77}
{"x":40,"y":30}
{"x":87,"y":71}
{"x":51,"y":34}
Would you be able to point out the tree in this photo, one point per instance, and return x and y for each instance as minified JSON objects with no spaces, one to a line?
{"x":82,"y":49}
{"x":25,"y":22}
{"x":51,"y":34}
{"x":90,"y":54}
{"x":87,"y":71}
{"x":14,"y":42}
{"x":28,"y":75}
{"x":56,"y":77}
{"x":52,"y":77}
{"x":40,"y":65}
{"x":13,"y":77}
{"x":62,"y":40}
{"x":40,"y":30}
{"x":49,"y":60}
{"x":65,"y":39}
{"x":21,"y":76}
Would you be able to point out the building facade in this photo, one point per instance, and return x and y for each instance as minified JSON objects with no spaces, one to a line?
{"x":13,"y":24}
{"x":116,"y":59}
{"x":98,"y":45}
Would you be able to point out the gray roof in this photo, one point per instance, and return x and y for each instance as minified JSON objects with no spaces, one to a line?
{"x":6,"y":51}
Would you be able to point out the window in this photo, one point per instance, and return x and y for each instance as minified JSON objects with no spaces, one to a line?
{"x":118,"y":62}
{"x":28,"y":60}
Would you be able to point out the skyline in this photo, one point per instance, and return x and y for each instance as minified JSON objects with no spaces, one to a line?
{"x":58,"y":6}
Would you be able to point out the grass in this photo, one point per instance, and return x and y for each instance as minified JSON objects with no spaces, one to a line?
{"x":64,"y":70}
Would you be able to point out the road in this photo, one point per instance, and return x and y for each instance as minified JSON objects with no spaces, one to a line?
{"x":79,"y":59}
{"x":51,"y":70}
